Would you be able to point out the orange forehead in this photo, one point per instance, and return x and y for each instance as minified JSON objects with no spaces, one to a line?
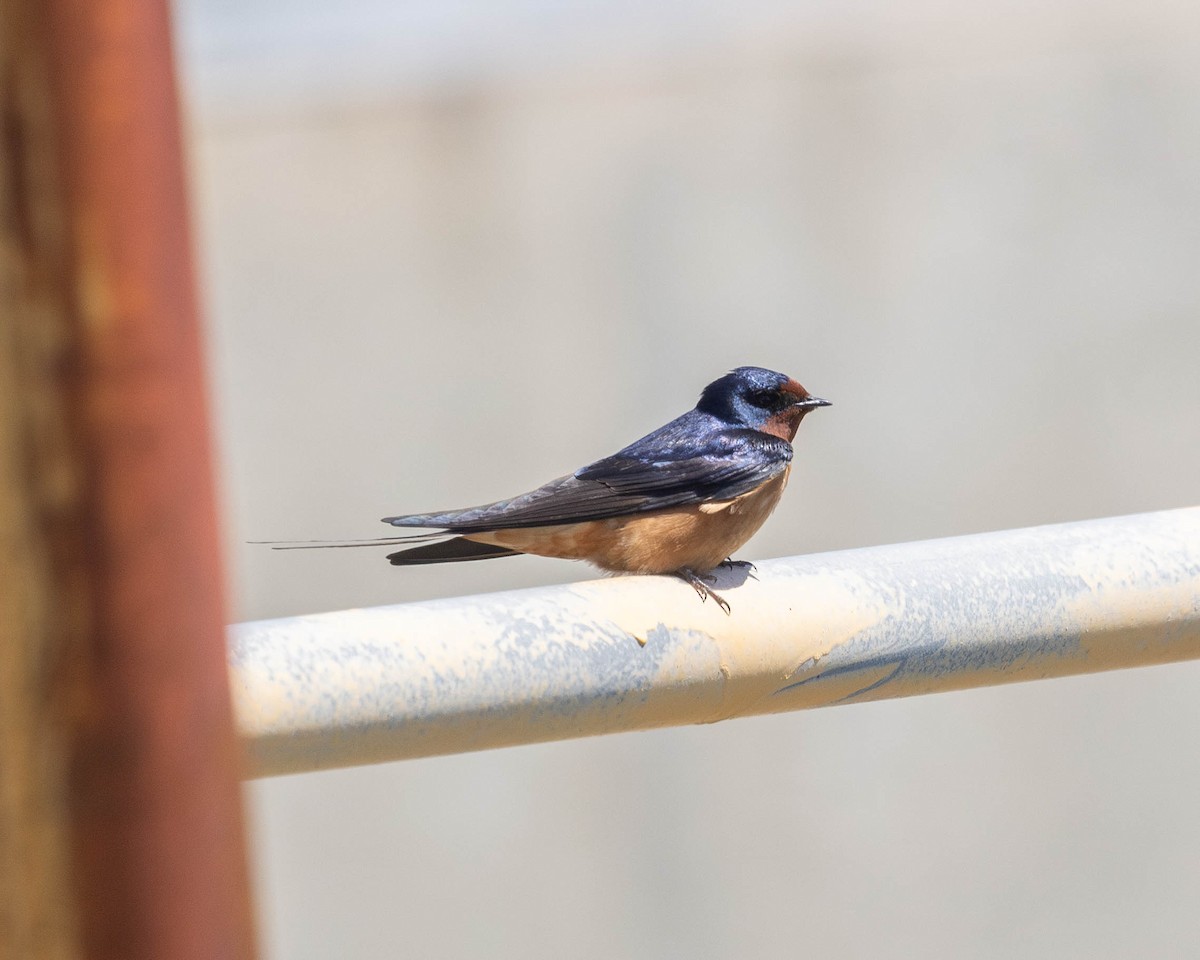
{"x":795,"y":389}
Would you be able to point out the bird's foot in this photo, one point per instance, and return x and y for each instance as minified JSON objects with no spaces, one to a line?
{"x":702,"y":588}
{"x":746,"y":565}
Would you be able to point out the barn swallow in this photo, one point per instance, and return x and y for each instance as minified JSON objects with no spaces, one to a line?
{"x":680,"y":501}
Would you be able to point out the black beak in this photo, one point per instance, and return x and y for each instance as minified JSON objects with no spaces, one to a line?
{"x":811,"y":403}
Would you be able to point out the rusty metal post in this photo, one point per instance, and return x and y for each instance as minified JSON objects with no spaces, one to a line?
{"x":106,"y":458}
{"x":37,"y":919}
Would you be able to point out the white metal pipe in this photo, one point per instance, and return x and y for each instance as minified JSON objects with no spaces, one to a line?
{"x":366,"y":686}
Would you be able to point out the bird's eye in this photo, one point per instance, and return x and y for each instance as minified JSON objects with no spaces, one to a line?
{"x":764,"y":398}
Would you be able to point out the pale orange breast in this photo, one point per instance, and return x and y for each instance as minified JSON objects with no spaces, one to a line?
{"x":697,"y":537}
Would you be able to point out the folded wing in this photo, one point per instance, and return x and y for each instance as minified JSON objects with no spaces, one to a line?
{"x":726,"y":466}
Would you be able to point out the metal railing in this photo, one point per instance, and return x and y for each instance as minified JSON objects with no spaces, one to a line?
{"x":367,"y":686}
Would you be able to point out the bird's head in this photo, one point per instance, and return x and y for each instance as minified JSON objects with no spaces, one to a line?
{"x":760,"y":400}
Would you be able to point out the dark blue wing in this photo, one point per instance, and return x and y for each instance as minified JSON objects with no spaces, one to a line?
{"x":676,"y":471}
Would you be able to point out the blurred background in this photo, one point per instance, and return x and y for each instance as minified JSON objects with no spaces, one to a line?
{"x":453,"y":249}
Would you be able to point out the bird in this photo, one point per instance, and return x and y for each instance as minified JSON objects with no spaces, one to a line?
{"x":681,"y":500}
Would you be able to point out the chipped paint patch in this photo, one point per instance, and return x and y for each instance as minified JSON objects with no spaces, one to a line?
{"x":364,"y":686}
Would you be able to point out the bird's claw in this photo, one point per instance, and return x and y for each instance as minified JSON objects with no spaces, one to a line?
{"x":702,"y":588}
{"x":746,"y":565}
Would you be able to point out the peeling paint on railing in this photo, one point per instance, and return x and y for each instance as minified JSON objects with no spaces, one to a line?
{"x":470,"y":673}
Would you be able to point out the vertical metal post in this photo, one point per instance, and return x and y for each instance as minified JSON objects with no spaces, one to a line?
{"x":107,"y":459}
{"x":42,"y":601}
